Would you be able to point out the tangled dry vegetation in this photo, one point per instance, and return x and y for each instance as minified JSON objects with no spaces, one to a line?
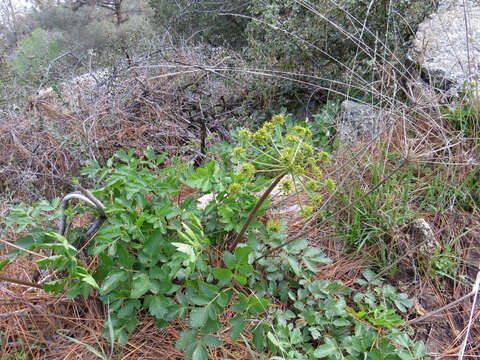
{"x":171,"y":106}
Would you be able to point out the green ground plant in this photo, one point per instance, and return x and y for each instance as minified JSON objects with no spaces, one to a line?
{"x":374,"y":214}
{"x":465,"y":114}
{"x":162,"y":254}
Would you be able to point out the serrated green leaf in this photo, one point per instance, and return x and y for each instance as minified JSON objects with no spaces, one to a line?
{"x":224,"y":276}
{"x":242,"y":279}
{"x":207,"y":290}
{"x":198,"y":317}
{"x":241,"y":305}
{"x":187,"y":250}
{"x":158,"y":306}
{"x":297,"y":246}
{"x":237,"y":325}
{"x":200,"y":352}
{"x":186,"y":337}
{"x":259,"y":338}
{"x":327,"y":349}
{"x":150,"y":153}
{"x":128,"y":308}
{"x":295,"y":336}
{"x":229,"y":260}
{"x":112,"y":281}
{"x":211,"y":341}
{"x":419,"y":350}
{"x":141,"y":284}
{"x":241,"y":254}
{"x":295,"y":265}
{"x":257,"y":304}
{"x":224,"y":297}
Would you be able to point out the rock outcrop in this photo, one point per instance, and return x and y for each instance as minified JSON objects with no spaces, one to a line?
{"x":446,"y":46}
{"x":357,"y":121}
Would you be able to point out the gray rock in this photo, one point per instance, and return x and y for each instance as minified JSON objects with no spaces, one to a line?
{"x":422,"y":234}
{"x":357,"y":121}
{"x":447,"y":56}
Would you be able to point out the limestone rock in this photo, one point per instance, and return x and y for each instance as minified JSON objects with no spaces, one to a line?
{"x":448,"y":54}
{"x":357,"y":121}
{"x":421,"y":233}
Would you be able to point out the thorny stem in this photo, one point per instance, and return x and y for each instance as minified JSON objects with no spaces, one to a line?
{"x":252,"y":214}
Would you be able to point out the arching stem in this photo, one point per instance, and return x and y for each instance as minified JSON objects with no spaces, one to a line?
{"x":252,"y":214}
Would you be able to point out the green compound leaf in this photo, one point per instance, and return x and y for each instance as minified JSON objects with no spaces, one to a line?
{"x":186,"y":338}
{"x":211,"y":341}
{"x":200,"y":352}
{"x":327,"y":349}
{"x":224,"y":276}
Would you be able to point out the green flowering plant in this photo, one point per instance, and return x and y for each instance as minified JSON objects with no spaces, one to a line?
{"x":286,"y":155}
{"x":276,"y":150}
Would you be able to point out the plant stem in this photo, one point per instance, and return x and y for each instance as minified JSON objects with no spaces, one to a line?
{"x":252,"y":214}
{"x":20,"y":282}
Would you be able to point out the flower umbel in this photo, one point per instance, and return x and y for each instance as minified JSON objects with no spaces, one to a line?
{"x":306,"y":212}
{"x":234,"y":189}
{"x":247,"y":170}
{"x":274,"y":225}
{"x":316,"y":200}
{"x":286,"y":186}
{"x":238,"y":152}
{"x":268,"y":126}
{"x":244,"y":135}
{"x":311,"y":185}
{"x":260,"y":136}
{"x":278,"y":120}
{"x":323,"y":157}
{"x":329,"y":184}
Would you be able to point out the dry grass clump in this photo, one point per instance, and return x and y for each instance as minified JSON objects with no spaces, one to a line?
{"x":435,"y":160}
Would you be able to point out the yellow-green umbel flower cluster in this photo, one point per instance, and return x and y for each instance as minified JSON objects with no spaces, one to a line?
{"x":277,"y":151}
{"x":269,"y":127}
{"x":234,"y":189}
{"x":286,"y":186}
{"x":247,"y":170}
{"x":244,"y":135}
{"x":316,"y":200}
{"x":292,"y":139}
{"x":278,"y":120}
{"x":274,"y":225}
{"x":323,"y":157}
{"x":306,"y":212}
{"x":238,"y":152}
{"x":260,"y":136}
{"x":329,"y":184}
{"x":311,"y":185}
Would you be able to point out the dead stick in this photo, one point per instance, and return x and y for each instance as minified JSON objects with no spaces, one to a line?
{"x":443,"y":308}
{"x":20,"y":282}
